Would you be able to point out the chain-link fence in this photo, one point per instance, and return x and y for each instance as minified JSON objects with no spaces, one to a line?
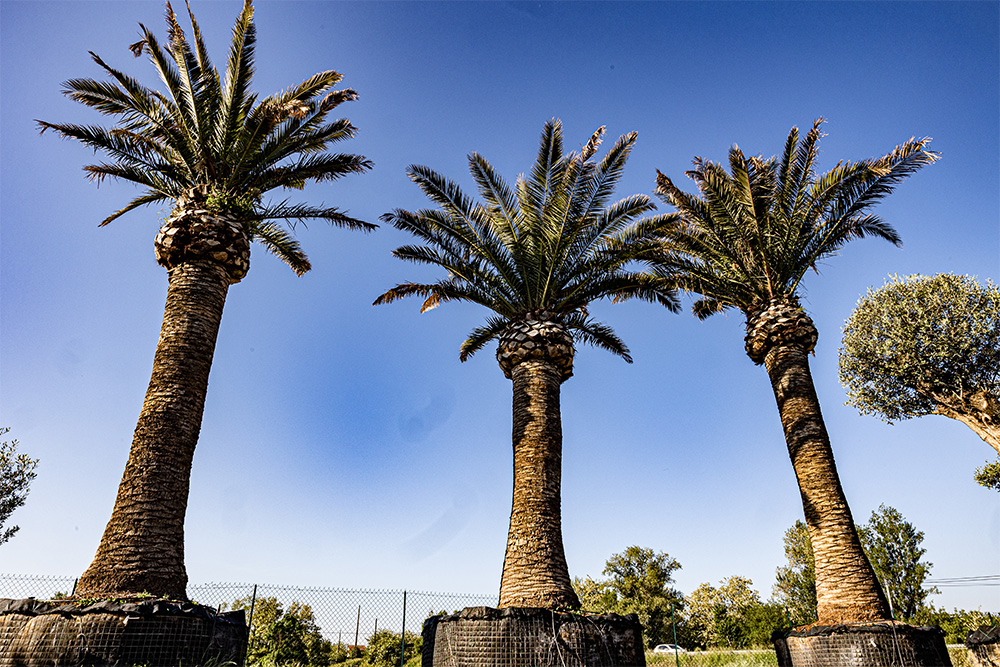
{"x":344,"y":616}
{"x":38,"y":586}
{"x":347,"y":619}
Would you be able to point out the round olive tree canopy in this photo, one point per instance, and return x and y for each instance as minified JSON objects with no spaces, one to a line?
{"x":924,"y":345}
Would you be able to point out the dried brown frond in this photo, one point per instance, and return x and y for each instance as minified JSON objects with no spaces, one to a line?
{"x":595,"y":140}
{"x":139,"y":46}
{"x":294,"y":109}
{"x":337,"y":97}
{"x":431,"y":302}
{"x":174,"y":31}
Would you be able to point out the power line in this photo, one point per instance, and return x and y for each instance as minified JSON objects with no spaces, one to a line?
{"x":980,"y":580}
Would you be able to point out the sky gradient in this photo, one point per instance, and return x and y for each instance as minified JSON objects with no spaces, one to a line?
{"x":346,"y":445}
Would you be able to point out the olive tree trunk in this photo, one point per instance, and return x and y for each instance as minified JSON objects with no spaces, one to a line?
{"x":847,"y":590}
{"x":979,"y":410}
{"x":534,"y":571}
{"x":142,"y":549}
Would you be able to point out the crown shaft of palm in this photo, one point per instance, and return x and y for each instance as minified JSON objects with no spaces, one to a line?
{"x":746,"y":240}
{"x":206,"y":133}
{"x":536,"y":254}
{"x":212,"y":149}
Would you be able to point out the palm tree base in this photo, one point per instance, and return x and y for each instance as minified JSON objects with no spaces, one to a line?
{"x":154,"y":633}
{"x":984,"y":645}
{"x":882,"y":644}
{"x":532,"y":637}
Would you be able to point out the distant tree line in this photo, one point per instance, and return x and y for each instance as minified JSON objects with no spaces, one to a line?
{"x":732,"y":615}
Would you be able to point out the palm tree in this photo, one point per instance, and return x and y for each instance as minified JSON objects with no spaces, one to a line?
{"x":745,"y":243}
{"x":536,"y":255}
{"x":213,"y":149}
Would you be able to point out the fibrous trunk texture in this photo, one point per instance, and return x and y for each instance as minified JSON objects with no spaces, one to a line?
{"x":142,"y":549}
{"x":535,"y":572}
{"x":847,"y":590}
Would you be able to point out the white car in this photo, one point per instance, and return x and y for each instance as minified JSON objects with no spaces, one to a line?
{"x":668,"y":648}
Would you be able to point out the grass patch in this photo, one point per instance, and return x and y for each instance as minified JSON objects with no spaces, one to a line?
{"x":759,"y":658}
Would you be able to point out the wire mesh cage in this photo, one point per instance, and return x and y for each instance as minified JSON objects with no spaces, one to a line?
{"x":152,"y":633}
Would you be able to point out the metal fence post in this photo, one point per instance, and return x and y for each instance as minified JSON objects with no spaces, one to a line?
{"x":357,"y":629}
{"x":892,"y":615}
{"x":253,"y":601}
{"x":673,"y":622}
{"x":402,"y":635}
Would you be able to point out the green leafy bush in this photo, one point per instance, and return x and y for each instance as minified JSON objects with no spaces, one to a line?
{"x":285,"y":637}
{"x":383,"y":649}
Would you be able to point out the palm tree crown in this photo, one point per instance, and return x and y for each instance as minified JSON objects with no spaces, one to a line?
{"x":746,"y":243}
{"x":755,"y":231}
{"x":210,"y":139}
{"x":542,"y":250}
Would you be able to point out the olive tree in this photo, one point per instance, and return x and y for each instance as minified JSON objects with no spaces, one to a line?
{"x":922,"y":345}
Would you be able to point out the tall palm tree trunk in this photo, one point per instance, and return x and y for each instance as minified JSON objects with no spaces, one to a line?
{"x":142,"y":549}
{"x":534,"y":570}
{"x":847,"y":590}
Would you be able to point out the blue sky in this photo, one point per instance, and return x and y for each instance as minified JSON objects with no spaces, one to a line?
{"x":345,"y":445}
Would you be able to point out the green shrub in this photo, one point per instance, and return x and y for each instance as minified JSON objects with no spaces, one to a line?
{"x":957,"y":623}
{"x":383,"y":649}
{"x":283,"y":637}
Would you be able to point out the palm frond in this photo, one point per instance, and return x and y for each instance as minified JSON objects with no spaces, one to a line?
{"x":181,"y":112}
{"x":134,"y":174}
{"x":402,"y":291}
{"x":302,"y":212}
{"x":236,"y":98}
{"x":280,"y":243}
{"x":498,"y":194}
{"x":625,"y":286}
{"x":141,"y":200}
{"x":275,"y":140}
{"x":597,"y":334}
{"x":480,"y":336}
{"x":608,"y":172}
{"x":193,"y":100}
{"x":706,"y":307}
{"x":756,"y":229}
{"x":316,"y":168}
{"x":316,"y":85}
{"x":443,"y":192}
{"x":546,"y":172}
{"x":551,"y":244}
